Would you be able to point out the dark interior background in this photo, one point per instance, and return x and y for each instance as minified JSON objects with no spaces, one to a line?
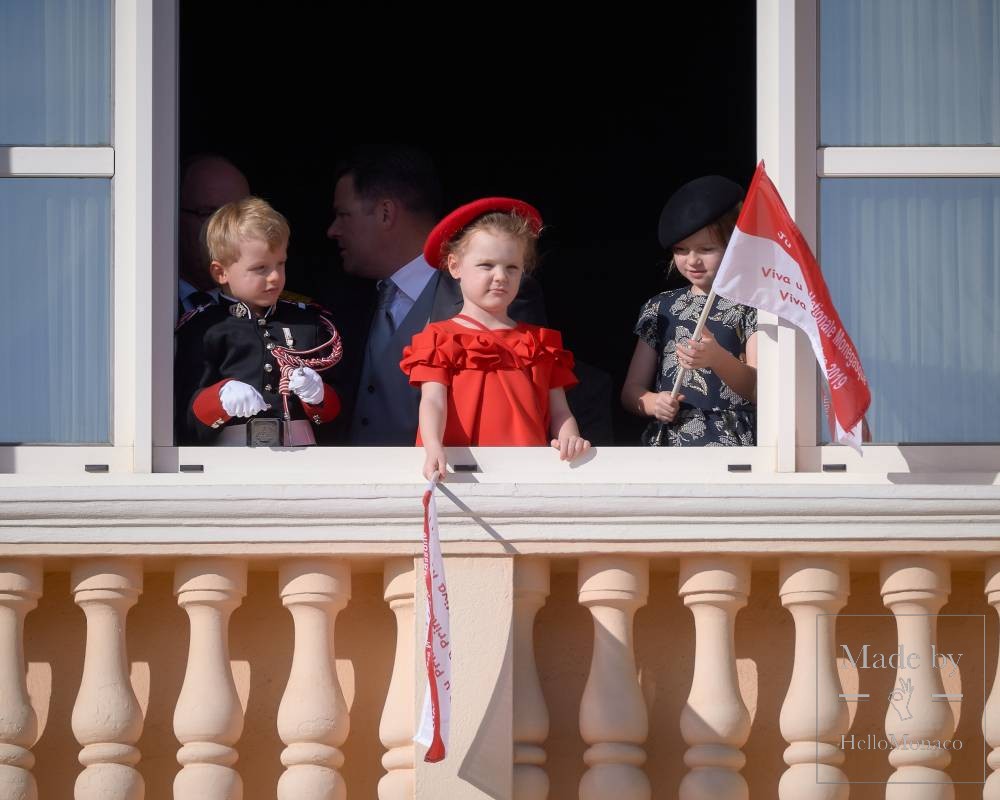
{"x":595,"y":121}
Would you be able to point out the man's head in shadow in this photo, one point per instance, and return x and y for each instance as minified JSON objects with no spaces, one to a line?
{"x":385,"y":201}
{"x":208,"y":182}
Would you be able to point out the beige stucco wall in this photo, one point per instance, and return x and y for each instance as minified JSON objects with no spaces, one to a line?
{"x":261,"y":647}
{"x":764,"y":641}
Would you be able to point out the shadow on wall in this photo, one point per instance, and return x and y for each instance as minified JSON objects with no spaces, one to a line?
{"x":54,"y":641}
{"x":978,"y":468}
{"x":664,"y":633}
{"x":260,"y":652}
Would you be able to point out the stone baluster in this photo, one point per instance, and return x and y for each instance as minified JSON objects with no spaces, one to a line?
{"x":20,"y":588}
{"x":396,"y":727}
{"x":208,"y":719}
{"x":813,"y":716}
{"x":107,"y":719}
{"x":914,"y":588}
{"x":613,"y":720}
{"x":312,"y":718}
{"x":715,"y":723}
{"x":991,"y":714}
{"x":531,"y":717}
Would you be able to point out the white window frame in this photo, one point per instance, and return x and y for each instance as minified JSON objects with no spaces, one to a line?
{"x":143,"y":166}
{"x":788,"y":140}
{"x":75,"y":162}
{"x":141,"y":163}
{"x":118,"y":163}
{"x":787,"y":113}
{"x":912,"y":162}
{"x":69,"y":162}
{"x":374,"y":465}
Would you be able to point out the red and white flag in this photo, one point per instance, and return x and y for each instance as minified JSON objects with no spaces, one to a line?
{"x":768,"y":265}
{"x":436,"y":712}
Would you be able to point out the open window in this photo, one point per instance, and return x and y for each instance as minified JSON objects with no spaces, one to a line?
{"x":598,"y":148}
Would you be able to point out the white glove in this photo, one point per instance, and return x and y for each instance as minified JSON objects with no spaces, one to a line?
{"x":308,"y":385}
{"x":241,"y":399}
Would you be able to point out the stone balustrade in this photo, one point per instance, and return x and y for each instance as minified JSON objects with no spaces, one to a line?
{"x":814,"y":697}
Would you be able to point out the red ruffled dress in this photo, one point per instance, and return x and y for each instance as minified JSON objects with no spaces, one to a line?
{"x":498,"y":381}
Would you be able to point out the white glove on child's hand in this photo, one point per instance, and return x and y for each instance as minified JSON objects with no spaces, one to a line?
{"x":241,"y":399}
{"x":308,"y":385}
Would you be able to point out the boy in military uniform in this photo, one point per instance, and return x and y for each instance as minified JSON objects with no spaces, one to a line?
{"x":227,"y":377}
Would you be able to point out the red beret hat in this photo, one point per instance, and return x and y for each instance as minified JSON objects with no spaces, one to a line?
{"x":457,"y":220}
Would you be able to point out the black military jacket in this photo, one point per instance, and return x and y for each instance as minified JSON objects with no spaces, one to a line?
{"x":227,"y":341}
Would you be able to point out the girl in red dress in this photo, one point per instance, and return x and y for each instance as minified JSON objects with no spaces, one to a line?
{"x":484,"y":378}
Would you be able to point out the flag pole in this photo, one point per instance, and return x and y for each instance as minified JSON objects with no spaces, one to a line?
{"x":682,"y":373}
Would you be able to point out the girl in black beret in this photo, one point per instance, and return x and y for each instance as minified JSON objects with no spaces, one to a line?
{"x":716,"y":403}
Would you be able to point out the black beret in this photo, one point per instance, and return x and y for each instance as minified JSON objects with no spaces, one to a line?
{"x":695,"y":205}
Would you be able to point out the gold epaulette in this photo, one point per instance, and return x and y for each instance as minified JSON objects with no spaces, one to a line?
{"x":295,"y":297}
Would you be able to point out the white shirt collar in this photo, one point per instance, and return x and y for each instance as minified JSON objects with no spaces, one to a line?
{"x":412,"y":278}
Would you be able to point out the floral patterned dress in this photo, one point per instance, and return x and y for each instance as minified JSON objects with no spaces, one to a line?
{"x":712,"y":414}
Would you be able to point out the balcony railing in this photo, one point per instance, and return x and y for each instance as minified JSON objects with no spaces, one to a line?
{"x":610,"y":642}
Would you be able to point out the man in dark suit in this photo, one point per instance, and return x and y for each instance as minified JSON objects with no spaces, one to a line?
{"x":386,"y":200}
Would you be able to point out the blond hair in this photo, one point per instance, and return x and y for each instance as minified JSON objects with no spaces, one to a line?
{"x":509,"y":222}
{"x":239,"y":221}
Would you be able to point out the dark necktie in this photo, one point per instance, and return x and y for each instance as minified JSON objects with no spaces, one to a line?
{"x":383,"y":326}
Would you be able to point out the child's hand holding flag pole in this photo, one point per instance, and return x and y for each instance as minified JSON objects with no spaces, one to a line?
{"x":768,"y":265}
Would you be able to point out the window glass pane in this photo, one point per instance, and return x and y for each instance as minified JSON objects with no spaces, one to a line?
{"x":910,"y":72}
{"x":913,"y":265}
{"x":55,"y":72}
{"x":55,"y":269}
